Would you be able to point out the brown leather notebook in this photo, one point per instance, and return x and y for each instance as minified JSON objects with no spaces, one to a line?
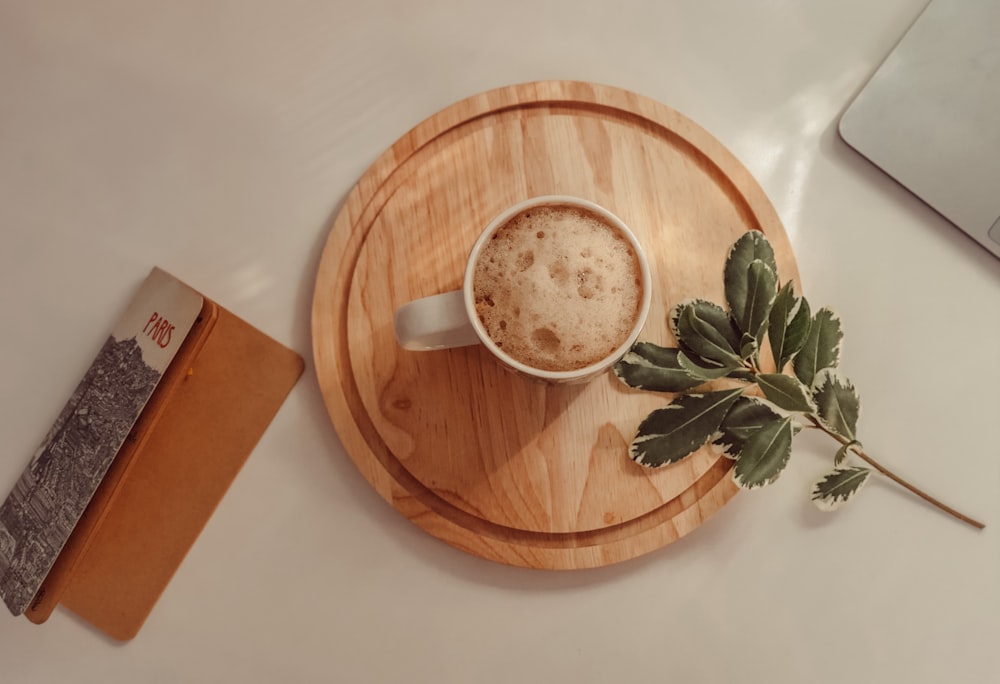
{"x":211,"y":407}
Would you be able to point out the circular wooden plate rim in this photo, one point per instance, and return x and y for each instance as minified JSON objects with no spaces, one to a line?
{"x":338,"y":386}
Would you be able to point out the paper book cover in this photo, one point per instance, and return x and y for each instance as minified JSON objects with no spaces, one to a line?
{"x":48,"y":499}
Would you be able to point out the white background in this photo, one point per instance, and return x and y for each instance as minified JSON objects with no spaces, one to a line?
{"x":218,"y":140}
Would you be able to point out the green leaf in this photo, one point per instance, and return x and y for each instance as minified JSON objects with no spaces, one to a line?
{"x":762,"y":284}
{"x":764,"y":455}
{"x":745,"y":418}
{"x":837,"y":402}
{"x":786,"y":392}
{"x":678,"y":429}
{"x":702,"y":338}
{"x":750,"y":247}
{"x":838,"y":487}
{"x":822,"y":346}
{"x":650,"y":367}
{"x":788,"y":325}
{"x":843,"y":450}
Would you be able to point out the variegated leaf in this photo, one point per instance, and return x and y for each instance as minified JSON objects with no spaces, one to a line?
{"x":786,"y":392}
{"x":650,"y":367}
{"x":708,"y":311}
{"x":751,"y":246}
{"x":702,"y":338}
{"x":746,"y":417}
{"x":762,"y":284}
{"x":837,"y":402}
{"x":703,"y":372}
{"x":764,"y":455}
{"x":678,"y":429}
{"x":838,"y":487}
{"x":788,"y":325}
{"x":675,"y":313}
{"x":743,"y":374}
{"x":844,"y":450}
{"x":749,"y":346}
{"x":822,"y":346}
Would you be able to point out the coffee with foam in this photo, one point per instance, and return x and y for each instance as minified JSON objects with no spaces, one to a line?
{"x":557,"y":288}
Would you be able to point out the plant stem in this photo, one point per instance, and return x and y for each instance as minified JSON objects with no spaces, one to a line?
{"x":897,"y":479}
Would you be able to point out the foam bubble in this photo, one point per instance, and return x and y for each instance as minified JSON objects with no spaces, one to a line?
{"x":557,"y":288}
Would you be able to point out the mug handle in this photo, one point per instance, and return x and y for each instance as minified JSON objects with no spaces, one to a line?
{"x":436,"y":322}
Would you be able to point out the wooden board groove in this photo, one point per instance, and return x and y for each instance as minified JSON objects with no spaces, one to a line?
{"x":505,"y":469}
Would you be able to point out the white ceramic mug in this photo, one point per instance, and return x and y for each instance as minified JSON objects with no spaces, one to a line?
{"x":450,"y":320}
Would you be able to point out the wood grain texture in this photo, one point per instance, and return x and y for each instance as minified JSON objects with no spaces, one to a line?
{"x":506,"y":469}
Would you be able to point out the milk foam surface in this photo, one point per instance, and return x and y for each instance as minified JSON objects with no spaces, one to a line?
{"x":557,"y":288}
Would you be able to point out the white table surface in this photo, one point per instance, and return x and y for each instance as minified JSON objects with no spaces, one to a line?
{"x":218,"y":140}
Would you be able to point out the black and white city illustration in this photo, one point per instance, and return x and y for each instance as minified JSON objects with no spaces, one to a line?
{"x":47,"y":501}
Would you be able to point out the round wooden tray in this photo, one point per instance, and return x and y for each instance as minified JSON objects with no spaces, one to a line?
{"x":503,"y":468}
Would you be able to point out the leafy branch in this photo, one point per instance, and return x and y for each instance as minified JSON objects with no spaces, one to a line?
{"x":756,"y":414}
